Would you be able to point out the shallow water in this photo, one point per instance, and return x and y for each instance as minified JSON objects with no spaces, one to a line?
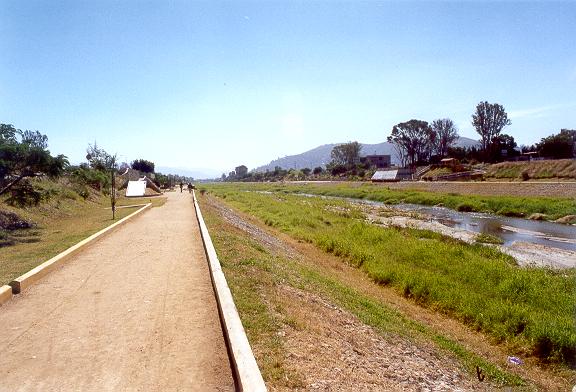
{"x":550,"y":234}
{"x":508,"y":229}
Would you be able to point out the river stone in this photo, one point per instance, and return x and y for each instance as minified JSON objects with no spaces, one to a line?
{"x":568,"y":219}
{"x":538,"y":216}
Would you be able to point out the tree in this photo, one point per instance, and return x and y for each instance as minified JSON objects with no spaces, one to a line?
{"x":143,"y":165}
{"x":102,"y":161}
{"x":446,"y":134}
{"x":558,"y":146}
{"x":414,"y":141}
{"x":35,"y":139}
{"x":489,"y":120}
{"x":25,"y":158}
{"x":504,"y":145}
{"x":98,"y":158}
{"x":317,"y":170}
{"x":347,"y":154}
{"x":8,"y":133}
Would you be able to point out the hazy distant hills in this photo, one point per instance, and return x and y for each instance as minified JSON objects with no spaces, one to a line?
{"x":196,"y":173}
{"x":320,"y":156}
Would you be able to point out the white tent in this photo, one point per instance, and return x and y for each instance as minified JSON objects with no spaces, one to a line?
{"x":136,"y":188}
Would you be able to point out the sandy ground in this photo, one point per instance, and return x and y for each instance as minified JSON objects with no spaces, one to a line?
{"x":133,"y":312}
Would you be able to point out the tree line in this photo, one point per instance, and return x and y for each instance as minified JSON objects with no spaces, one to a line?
{"x":24,"y":155}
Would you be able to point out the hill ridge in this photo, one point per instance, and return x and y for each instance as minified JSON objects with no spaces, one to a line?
{"x":320,"y":156}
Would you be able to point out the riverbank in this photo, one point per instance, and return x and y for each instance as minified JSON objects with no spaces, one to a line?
{"x":526,"y":254}
{"x":550,"y":208}
{"x":529,"y":308}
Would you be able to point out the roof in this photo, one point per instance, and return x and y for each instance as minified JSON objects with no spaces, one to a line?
{"x":385,"y":175}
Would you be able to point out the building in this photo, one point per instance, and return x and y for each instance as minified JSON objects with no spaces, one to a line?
{"x":241,"y":171}
{"x":378,"y":161}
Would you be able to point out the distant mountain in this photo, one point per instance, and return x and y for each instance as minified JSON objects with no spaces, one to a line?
{"x":320,"y":156}
{"x":196,"y":173}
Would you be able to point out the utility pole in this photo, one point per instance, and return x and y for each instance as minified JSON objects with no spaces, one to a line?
{"x":113,"y":185}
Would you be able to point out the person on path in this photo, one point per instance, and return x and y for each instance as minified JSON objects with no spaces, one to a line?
{"x":181,"y":186}
{"x":190,"y":188}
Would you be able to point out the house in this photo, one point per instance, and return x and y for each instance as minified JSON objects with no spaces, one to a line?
{"x":450,"y":162}
{"x":378,"y":161}
{"x":241,"y":171}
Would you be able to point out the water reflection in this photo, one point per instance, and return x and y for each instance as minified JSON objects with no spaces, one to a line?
{"x":508,"y":229}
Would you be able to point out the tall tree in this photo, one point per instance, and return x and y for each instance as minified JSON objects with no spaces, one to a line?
{"x":143,"y":165}
{"x":489,"y":120}
{"x":446,"y":134}
{"x":8,"y":133}
{"x":347,"y":154}
{"x":25,"y":158}
{"x":99,"y":159}
{"x":561,"y":145}
{"x":414,"y":139}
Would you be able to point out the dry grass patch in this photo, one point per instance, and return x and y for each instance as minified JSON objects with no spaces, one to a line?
{"x":535,"y":170}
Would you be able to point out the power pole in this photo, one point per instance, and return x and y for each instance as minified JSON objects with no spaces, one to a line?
{"x":113,"y":185}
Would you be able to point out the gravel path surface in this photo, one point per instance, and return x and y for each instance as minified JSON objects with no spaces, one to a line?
{"x":133,"y":312}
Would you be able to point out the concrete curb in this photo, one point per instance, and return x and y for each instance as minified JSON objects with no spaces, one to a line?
{"x":35,"y":274}
{"x":5,"y":293}
{"x":246,"y":372}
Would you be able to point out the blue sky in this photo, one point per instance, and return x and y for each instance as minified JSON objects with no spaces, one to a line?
{"x":217,"y":84}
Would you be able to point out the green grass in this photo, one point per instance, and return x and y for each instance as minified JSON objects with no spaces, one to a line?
{"x":252,"y":273}
{"x":530,"y":309}
{"x":484,"y":238}
{"x":503,"y":205}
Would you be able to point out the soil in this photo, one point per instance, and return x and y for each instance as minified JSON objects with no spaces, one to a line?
{"x":337,"y":352}
{"x":135,"y":311}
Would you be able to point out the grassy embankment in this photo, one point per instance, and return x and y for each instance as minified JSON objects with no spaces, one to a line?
{"x":254,"y":274}
{"x":61,"y":221}
{"x":502,"y":205}
{"x":535,"y":170}
{"x":529,"y":309}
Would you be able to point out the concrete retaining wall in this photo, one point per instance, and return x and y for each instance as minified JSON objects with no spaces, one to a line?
{"x":246,"y":372}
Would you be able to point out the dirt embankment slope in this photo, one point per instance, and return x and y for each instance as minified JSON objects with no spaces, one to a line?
{"x":135,"y":311}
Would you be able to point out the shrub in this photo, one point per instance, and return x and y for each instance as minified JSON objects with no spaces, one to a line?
{"x":465,"y":207}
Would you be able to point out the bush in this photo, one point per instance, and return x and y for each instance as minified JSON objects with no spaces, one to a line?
{"x":24,"y":195}
{"x":465,"y":207}
{"x":95,"y":179}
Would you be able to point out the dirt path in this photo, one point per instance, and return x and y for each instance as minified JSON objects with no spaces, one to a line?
{"x":134,"y":312}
